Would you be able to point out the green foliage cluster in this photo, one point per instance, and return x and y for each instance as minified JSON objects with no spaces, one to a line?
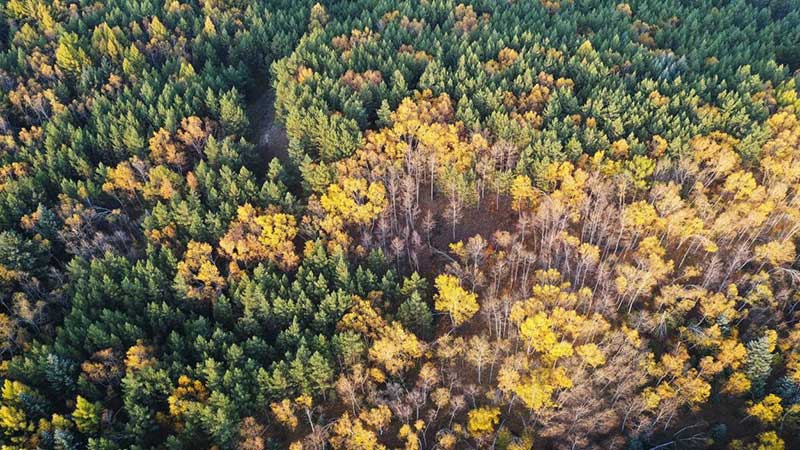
{"x":673,"y":69}
{"x":163,"y":285}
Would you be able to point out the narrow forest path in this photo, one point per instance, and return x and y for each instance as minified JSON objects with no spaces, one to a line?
{"x":268,"y":135}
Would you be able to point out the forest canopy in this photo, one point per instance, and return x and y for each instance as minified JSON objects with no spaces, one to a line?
{"x":373,"y":224}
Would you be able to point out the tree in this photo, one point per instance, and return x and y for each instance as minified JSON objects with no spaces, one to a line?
{"x":194,"y":133}
{"x":737,"y":384}
{"x":69,"y":56}
{"x":759,"y":362}
{"x":479,"y":353}
{"x":208,"y":27}
{"x":318,"y":17}
{"x":251,"y":435}
{"x":452,"y":299}
{"x":126,"y":177}
{"x":198,"y":276}
{"x":103,"y":367}
{"x":320,"y":373}
{"x":353,"y":434}
{"x":186,"y":397}
{"x":163,"y":149}
{"x":284,"y":413}
{"x":231,"y":114}
{"x":591,"y":354}
{"x":139,"y":356}
{"x":523,"y":194}
{"x":86,"y":416}
{"x":481,"y":421}
{"x":776,"y":253}
{"x":352,"y":201}
{"x":767,"y":440}
{"x":768,"y":410}
{"x":416,"y":316}
{"x":396,"y":350}
{"x":254,"y":237}
{"x":13,"y":420}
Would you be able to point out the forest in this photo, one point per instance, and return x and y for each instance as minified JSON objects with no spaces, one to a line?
{"x":399,"y":224}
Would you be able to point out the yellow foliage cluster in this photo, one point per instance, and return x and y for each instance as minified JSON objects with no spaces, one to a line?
{"x":256,"y":237}
{"x":346,"y":42}
{"x":351,"y":201}
{"x":523,"y":194}
{"x":188,"y":393}
{"x":283,"y":412}
{"x":678,"y":382}
{"x":768,"y":410}
{"x":467,"y":20}
{"x":556,"y":340}
{"x":168,"y":149}
{"x":12,"y":415}
{"x":396,"y":350}
{"x":362,"y":318}
{"x":197,"y":275}
{"x":135,"y":176}
{"x":139,"y":356}
{"x":422,"y":126}
{"x":353,"y":434}
{"x":505,"y":58}
{"x":566,"y":185}
{"x":481,"y":421}
{"x":534,"y":386}
{"x":454,"y":300}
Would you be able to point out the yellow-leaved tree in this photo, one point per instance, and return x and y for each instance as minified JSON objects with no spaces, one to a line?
{"x":523,"y":194}
{"x":255,"y":237}
{"x":396,"y":350}
{"x":768,"y":410}
{"x":198,"y":276}
{"x":454,"y":300}
{"x":481,"y":421}
{"x":352,"y":201}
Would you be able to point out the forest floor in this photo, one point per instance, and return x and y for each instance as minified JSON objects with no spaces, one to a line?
{"x":485,"y":220}
{"x":268,"y":135}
